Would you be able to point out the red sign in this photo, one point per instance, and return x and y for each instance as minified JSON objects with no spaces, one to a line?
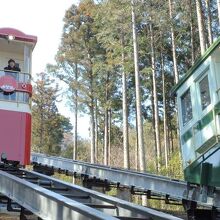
{"x":8,"y":83}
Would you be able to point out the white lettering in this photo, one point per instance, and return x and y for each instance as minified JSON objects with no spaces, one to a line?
{"x":7,"y":87}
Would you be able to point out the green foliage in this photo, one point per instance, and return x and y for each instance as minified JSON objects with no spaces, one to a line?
{"x":175,"y":169}
{"x":95,"y":35}
{"x":48,"y":125}
{"x":83,"y":150}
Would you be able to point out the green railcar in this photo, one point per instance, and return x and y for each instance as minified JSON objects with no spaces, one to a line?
{"x":198,"y":101}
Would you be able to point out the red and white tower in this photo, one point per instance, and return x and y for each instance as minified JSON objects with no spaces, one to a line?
{"x":15,"y":95}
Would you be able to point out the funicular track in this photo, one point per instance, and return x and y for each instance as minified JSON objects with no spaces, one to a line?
{"x":49,"y":198}
{"x":171,"y":190}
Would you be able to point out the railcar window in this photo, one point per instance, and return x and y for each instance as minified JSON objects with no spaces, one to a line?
{"x":204,"y":92}
{"x":21,"y":77}
{"x":186,"y":105}
{"x":20,"y":96}
{"x":24,"y":77}
{"x":27,"y":78}
{"x":13,"y":74}
{"x":15,"y":96}
{"x":26,"y":98}
{"x":9,"y":96}
{"x":18,"y":76}
{"x":23,"y":97}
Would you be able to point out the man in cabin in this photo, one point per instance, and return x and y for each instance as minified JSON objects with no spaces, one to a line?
{"x":11,"y":66}
{"x":11,"y":70}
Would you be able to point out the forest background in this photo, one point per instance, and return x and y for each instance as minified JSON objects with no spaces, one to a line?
{"x":119,"y":60}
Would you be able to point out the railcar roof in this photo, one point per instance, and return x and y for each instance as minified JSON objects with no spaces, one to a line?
{"x":198,"y":62}
{"x":19,"y":35}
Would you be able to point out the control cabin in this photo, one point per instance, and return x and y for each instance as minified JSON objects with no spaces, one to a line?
{"x":15,"y":95}
{"x":198,"y":102}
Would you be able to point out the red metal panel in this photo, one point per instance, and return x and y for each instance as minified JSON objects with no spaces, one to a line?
{"x":24,"y":87}
{"x":9,"y":84}
{"x":27,"y":154}
{"x":15,"y":133}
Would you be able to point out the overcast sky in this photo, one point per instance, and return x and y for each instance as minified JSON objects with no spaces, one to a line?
{"x":43,"y":18}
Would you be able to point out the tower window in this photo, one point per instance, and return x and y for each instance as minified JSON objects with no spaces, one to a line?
{"x":204,"y":92}
{"x":186,"y":105}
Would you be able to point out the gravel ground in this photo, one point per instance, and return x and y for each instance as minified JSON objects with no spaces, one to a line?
{"x":10,"y":216}
{"x":14,"y":216}
{"x":177,"y":214}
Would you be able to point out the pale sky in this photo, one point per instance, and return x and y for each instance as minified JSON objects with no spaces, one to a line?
{"x":44,"y":19}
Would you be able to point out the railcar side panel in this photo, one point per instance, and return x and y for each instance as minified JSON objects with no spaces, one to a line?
{"x":15,"y":130}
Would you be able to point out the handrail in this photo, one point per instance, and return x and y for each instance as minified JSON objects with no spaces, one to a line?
{"x":53,"y":199}
{"x":22,"y":77}
{"x":176,"y":189}
{"x":5,"y":70}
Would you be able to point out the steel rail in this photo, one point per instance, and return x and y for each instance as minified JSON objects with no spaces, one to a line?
{"x":124,"y":207}
{"x":44,"y":203}
{"x":164,"y":186}
{"x":54,"y":199}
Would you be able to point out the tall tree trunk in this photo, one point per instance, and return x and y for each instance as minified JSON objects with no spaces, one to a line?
{"x":153,"y":125}
{"x":176,"y":74}
{"x":136,"y":153}
{"x":92,"y":133}
{"x":92,"y":130}
{"x":192,"y":35}
{"x":218,"y":4}
{"x":109,"y":135}
{"x":125,"y":110}
{"x":106,"y":143}
{"x":171,"y":137}
{"x":75,"y":151}
{"x":91,"y":108}
{"x":200,"y":26}
{"x":75,"y":148}
{"x":106,"y":138}
{"x":136,"y":147}
{"x":165,"y":127}
{"x":41,"y":132}
{"x":136,"y":136}
{"x":192,"y":43}
{"x":209,"y":22}
{"x":156,"y":117}
{"x":92,"y":116}
{"x":141,"y":147}
{"x":96,"y":131}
